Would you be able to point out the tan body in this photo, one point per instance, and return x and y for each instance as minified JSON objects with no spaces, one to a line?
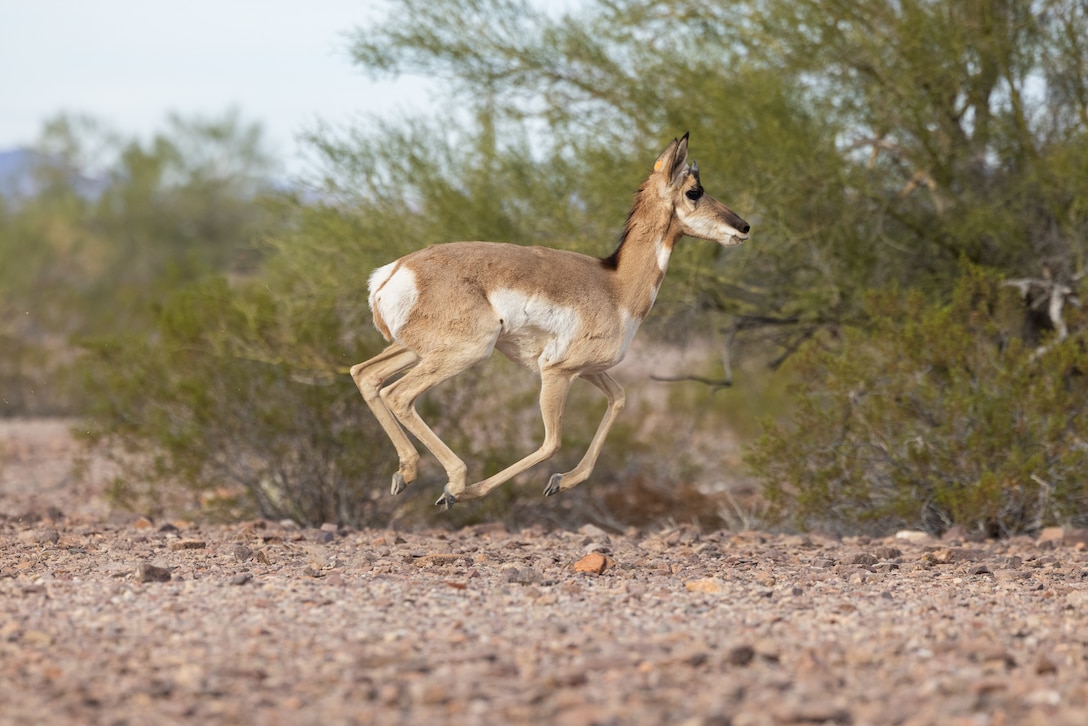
{"x":562,"y":314}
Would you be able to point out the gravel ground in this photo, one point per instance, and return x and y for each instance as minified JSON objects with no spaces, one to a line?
{"x":110,"y":620}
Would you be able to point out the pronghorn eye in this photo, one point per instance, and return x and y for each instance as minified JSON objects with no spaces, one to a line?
{"x":694,"y":193}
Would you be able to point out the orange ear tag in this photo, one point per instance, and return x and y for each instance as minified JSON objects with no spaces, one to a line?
{"x":657,"y":165}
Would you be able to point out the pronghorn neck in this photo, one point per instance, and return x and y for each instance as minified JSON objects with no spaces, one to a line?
{"x":642,"y":257}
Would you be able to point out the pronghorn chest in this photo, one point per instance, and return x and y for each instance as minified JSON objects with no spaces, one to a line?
{"x":538,"y":332}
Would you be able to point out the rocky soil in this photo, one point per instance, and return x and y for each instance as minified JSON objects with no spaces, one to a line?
{"x":110,"y":619}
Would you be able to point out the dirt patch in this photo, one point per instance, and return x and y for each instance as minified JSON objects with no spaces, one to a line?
{"x":108,"y":621}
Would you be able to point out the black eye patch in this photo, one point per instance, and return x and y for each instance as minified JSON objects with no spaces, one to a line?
{"x":694,"y":193}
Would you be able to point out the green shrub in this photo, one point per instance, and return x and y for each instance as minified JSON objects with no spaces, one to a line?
{"x":197,"y":408}
{"x":934,"y":415}
{"x":205,"y":417}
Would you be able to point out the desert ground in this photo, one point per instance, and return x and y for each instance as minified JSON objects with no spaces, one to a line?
{"x":108,"y":617}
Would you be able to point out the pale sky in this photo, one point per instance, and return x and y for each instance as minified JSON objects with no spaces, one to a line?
{"x":281,"y":63}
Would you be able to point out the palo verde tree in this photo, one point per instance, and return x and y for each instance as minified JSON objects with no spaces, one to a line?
{"x":870,"y":142}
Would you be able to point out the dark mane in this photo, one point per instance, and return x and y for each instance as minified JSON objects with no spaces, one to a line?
{"x":613,"y":260}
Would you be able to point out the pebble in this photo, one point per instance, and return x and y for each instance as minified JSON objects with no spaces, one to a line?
{"x":146,"y":572}
{"x":594,"y":563}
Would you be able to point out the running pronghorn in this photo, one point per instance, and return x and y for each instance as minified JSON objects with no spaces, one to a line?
{"x":561,"y":314}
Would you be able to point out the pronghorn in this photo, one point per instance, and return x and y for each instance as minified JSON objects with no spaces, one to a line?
{"x":561,"y":314}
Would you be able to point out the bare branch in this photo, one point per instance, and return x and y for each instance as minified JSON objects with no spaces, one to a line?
{"x":713,"y":383}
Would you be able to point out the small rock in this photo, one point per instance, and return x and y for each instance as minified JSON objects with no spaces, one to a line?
{"x":887,"y":553}
{"x":146,"y":572}
{"x":710,"y":585}
{"x":241,"y":578}
{"x":241,"y":552}
{"x":1044,"y":665}
{"x":594,"y":563}
{"x":911,"y":535}
{"x":437,"y":559}
{"x":940,"y":557}
{"x":329,"y":527}
{"x":741,"y":655}
{"x":814,"y":711}
{"x":188,"y":544}
{"x":324,"y":536}
{"x":980,"y":570}
{"x":37,"y":638}
{"x":696,"y":659}
{"x":864,"y":558}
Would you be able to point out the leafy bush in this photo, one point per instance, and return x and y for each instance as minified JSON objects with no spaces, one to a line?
{"x":935,"y":415}
{"x":190,"y":406}
{"x":204,"y":416}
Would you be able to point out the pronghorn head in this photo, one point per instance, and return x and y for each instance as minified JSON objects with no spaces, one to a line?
{"x":699,"y":214}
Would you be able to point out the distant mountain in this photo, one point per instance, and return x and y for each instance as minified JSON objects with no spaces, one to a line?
{"x":17,"y":172}
{"x":19,"y":177}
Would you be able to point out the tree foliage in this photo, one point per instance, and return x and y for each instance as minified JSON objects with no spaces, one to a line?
{"x":115,"y":223}
{"x":869,"y":142}
{"x":939,"y":415}
{"x":873,"y":146}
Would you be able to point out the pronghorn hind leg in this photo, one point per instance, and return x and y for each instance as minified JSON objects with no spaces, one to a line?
{"x":369,"y":377}
{"x":400,"y":396}
{"x":554,"y":386}
{"x":577,"y":475}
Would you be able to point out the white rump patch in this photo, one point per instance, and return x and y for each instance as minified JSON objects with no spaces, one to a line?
{"x":531,"y":320}
{"x":393,"y":294}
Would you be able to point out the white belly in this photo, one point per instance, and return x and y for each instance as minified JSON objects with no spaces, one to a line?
{"x":535,"y":331}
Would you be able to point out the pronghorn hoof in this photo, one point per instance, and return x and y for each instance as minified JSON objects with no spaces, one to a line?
{"x":447,"y":500}
{"x":553,"y":485}
{"x":399,"y":485}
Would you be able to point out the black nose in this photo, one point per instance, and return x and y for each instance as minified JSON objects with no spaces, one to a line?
{"x":745,"y":228}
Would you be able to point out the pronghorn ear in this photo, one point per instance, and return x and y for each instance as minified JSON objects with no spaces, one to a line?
{"x":673,"y":162}
{"x":664,"y":165}
{"x":679,"y":162}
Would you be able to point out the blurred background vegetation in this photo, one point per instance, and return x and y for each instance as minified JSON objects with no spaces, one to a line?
{"x":916,"y":174}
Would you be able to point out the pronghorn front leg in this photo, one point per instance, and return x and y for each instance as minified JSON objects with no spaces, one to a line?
{"x":577,"y":475}
{"x":554,"y":386}
{"x":369,"y":377}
